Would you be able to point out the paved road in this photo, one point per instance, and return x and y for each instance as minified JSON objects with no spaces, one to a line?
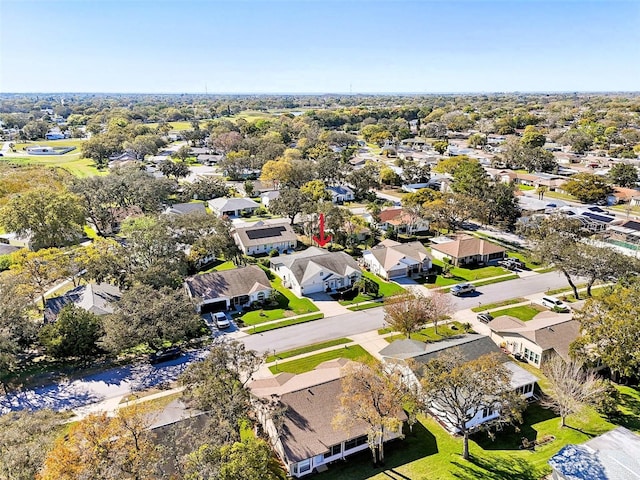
{"x":121,"y":381}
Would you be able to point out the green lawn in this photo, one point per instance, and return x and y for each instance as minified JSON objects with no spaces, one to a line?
{"x":298,"y":305}
{"x":307,"y":349}
{"x":429,"y":334}
{"x":493,"y":306}
{"x":523,"y":312}
{"x":459,"y":274}
{"x":385,"y":289}
{"x":285,"y":323}
{"x":306,"y":364}
{"x":79,"y":167}
{"x":364,"y":306}
{"x":524,"y":258}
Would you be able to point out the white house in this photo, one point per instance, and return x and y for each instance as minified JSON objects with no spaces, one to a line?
{"x":471,"y":347}
{"x":340,"y":193}
{"x":307,"y":441}
{"x":262,"y":238}
{"x":316,"y":270}
{"x":537,"y":340}
{"x":267,"y":197}
{"x":390,"y":259}
{"x":232,"y":207}
{"x":227,"y":289}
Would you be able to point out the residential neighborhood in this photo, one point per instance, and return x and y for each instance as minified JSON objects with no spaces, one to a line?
{"x":243,"y":280}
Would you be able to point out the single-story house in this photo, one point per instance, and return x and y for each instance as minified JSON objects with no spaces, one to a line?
{"x":262,"y":238}
{"x":466,"y":249}
{"x":537,"y":340}
{"x":470,"y":347}
{"x":628,"y":231}
{"x":403,"y":222}
{"x":97,"y":298}
{"x":341,"y":193}
{"x":227,"y":289}
{"x":186,"y":208}
{"x":266,"y":197}
{"x":307,"y":440}
{"x":232,"y":207}
{"x":622,"y":195}
{"x":316,"y":270}
{"x":614,"y":455}
{"x":390,"y":259}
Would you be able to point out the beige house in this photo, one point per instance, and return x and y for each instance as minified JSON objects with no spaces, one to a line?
{"x":262,"y":238}
{"x":465,"y":250}
{"x":390,"y":259}
{"x":537,"y":340}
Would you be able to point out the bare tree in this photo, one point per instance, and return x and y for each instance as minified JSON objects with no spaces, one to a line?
{"x":407,"y":313}
{"x":571,"y":387}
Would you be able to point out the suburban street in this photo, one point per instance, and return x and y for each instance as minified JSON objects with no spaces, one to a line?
{"x":98,"y":389}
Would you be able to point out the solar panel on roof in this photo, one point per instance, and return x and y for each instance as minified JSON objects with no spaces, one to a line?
{"x":265,"y":232}
{"x":598,"y":218}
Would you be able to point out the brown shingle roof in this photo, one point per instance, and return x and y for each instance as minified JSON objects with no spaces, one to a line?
{"x":228,"y":283}
{"x":467,"y":246}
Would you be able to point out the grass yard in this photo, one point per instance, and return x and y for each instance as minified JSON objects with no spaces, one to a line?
{"x":79,"y":167}
{"x":460,"y":274}
{"x":285,"y":323}
{"x":493,"y":306}
{"x":307,"y":349}
{"x":364,"y":306}
{"x":523,"y":258}
{"x":298,"y":305}
{"x":306,"y":364}
{"x":67,"y":142}
{"x":385,"y":289}
{"x":523,"y":312}
{"x":429,"y":334}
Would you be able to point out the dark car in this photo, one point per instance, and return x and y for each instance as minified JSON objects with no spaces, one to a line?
{"x":484,"y":317}
{"x":165,"y":355}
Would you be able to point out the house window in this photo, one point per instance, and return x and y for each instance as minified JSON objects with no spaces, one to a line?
{"x":531,"y":356}
{"x":334,"y":450}
{"x":304,"y":466}
{"x":260,"y":296}
{"x":356,"y":442}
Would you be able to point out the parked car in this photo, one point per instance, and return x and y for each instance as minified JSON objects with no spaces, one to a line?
{"x":165,"y":355}
{"x":220,"y":320}
{"x":555,"y":304}
{"x":511,"y":263}
{"x":462,"y":288}
{"x":484,"y":317}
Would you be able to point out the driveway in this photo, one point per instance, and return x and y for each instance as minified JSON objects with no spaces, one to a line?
{"x":328,"y":305}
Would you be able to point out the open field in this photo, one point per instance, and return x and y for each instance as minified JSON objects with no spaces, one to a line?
{"x":79,"y":167}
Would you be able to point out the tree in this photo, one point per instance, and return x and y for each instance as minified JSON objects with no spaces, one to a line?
{"x":587,"y":187}
{"x":538,"y":160}
{"x":50,"y":218}
{"x":316,"y":190}
{"x":571,"y":388}
{"x":610,"y":329}
{"x":451,"y":210}
{"x":38,"y":269}
{"x":457,"y":390}
{"x":451,"y":164}
{"x":182,"y":153}
{"x":623,"y":175}
{"x":500,"y":205}
{"x":409,"y":312}
{"x":365,"y":179}
{"x":373,"y":397}
{"x":532,"y":138}
{"x":441,"y":146}
{"x":477,"y":140}
{"x":413,"y":172}
{"x":100,"y":147}
{"x":470,"y":178}
{"x":205,"y":188}
{"x":290,"y":203}
{"x":151,"y":317}
{"x":174,"y":169}
{"x":107,"y":448}
{"x":218,"y":384}
{"x":74,"y":334}
{"x":26,"y":439}
{"x":389,"y":177}
{"x":246,"y":460}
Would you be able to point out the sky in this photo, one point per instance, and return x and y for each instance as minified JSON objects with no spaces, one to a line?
{"x":319,"y":46}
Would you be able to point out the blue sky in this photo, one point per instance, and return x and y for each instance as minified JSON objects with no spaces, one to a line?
{"x":263,"y":46}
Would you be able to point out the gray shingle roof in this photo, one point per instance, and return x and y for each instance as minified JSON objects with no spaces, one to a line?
{"x":228,"y":283}
{"x":94,"y":298}
{"x":312,"y":260}
{"x":186,"y":208}
{"x":260,"y":234}
{"x":470,"y":345}
{"x":224,"y":204}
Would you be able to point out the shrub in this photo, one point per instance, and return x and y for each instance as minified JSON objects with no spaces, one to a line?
{"x":274,"y":253}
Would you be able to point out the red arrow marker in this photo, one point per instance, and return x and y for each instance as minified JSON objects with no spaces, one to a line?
{"x":322,"y":241}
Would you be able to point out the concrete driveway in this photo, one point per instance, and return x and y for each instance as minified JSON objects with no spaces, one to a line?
{"x":327,"y":305}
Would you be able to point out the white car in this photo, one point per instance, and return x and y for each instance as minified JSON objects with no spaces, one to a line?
{"x":555,"y":304}
{"x":220,"y":320}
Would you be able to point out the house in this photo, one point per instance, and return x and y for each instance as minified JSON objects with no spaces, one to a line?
{"x":97,"y":298}
{"x":267,"y":197}
{"x":401,"y":221}
{"x":465,"y":250}
{"x":614,"y":455}
{"x":470,"y":347}
{"x":186,"y":209}
{"x":227,"y":289}
{"x":232,"y":207}
{"x":307,"y":440}
{"x":390,"y":259}
{"x":15,"y":240}
{"x":111,"y":223}
{"x":316,"y":270}
{"x":536,"y":341}
{"x":262,"y":238}
{"x":54,"y":136}
{"x":622,"y":195}
{"x":340,"y":193}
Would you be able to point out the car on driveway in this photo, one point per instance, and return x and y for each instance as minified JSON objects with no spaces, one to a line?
{"x":462,"y":289}
{"x":220,"y":320}
{"x":485,"y":317}
{"x":511,"y":263}
{"x":555,"y":304}
{"x":165,"y":355}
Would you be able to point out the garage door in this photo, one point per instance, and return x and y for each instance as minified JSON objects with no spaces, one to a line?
{"x":213,"y":307}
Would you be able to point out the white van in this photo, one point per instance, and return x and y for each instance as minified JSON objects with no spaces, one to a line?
{"x":555,"y":304}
